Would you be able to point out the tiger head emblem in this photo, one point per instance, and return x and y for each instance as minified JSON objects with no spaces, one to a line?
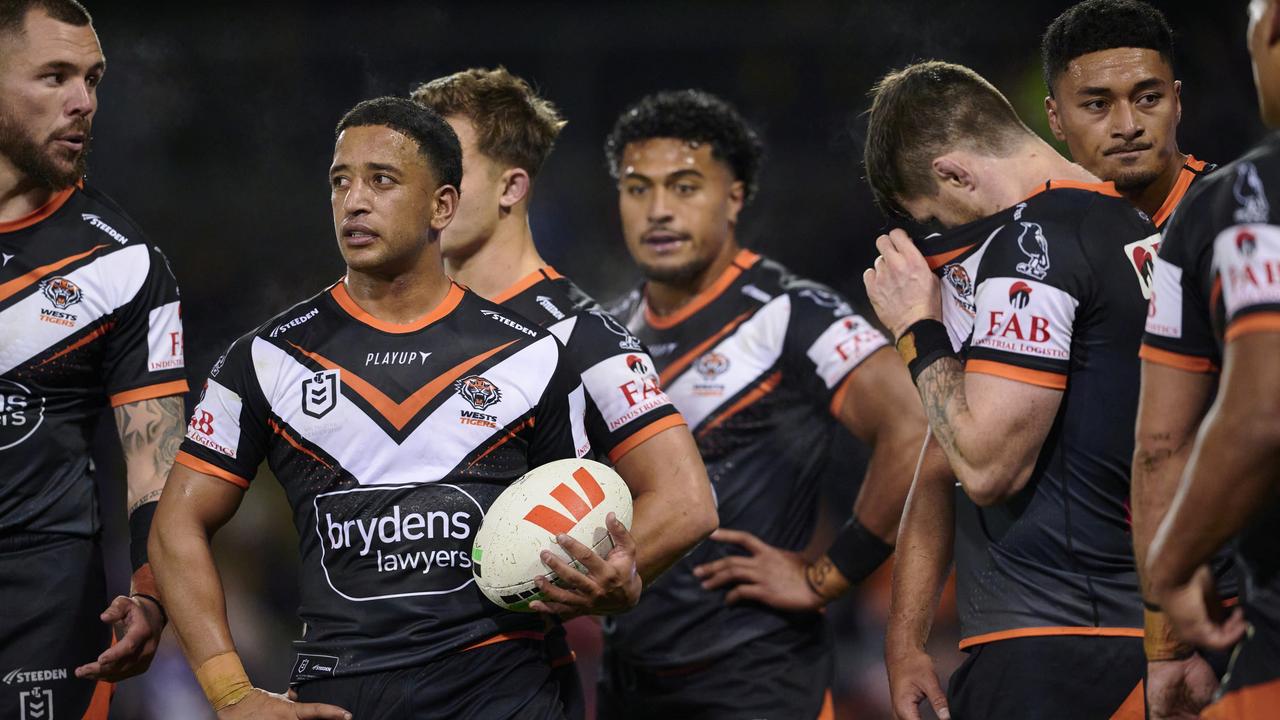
{"x":478,"y":391}
{"x":61,"y":292}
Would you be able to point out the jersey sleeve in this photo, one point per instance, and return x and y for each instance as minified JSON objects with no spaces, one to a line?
{"x":228,"y":432}
{"x":1029,"y":289}
{"x":559,"y":429}
{"x":1247,"y":259}
{"x":825,"y":342}
{"x":1179,"y":328}
{"x":144,"y":352}
{"x":625,"y":403}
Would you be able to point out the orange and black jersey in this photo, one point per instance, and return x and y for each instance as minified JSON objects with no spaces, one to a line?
{"x":1232,"y":219}
{"x":1052,"y":292}
{"x":756,"y":364}
{"x":625,"y":405}
{"x":1180,"y":329}
{"x":88,"y":316}
{"x":390,"y":442}
{"x":1192,"y":170}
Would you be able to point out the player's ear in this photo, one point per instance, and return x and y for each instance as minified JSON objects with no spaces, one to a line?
{"x":444,"y":206}
{"x":1055,"y":124}
{"x":1177,"y":98}
{"x":516,"y":184}
{"x":737,"y":198}
{"x":950,"y":170}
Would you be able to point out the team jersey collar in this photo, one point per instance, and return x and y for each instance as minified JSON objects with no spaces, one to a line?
{"x":742,"y":262}
{"x":39,"y":214}
{"x":1103,"y":188}
{"x":544,"y":273}
{"x":439,"y":312}
{"x":942,"y":247}
{"x":1191,"y":169}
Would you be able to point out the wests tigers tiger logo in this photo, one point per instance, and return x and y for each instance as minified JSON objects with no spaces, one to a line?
{"x":61,"y":292}
{"x":478,"y":391}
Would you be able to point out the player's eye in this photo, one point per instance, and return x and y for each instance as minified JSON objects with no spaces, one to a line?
{"x":1095,"y":105}
{"x":53,"y":79}
{"x":339,"y":182}
{"x":635,"y":190}
{"x":93,"y":80}
{"x":383,"y":179}
{"x":685,"y":188}
{"x":1149,"y":99}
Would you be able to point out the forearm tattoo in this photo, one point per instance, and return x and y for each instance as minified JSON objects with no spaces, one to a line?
{"x":150,"y":433}
{"x":941,"y":387}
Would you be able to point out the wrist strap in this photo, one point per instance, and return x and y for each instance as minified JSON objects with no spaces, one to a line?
{"x":923,"y":344}
{"x":857,"y":552}
{"x":223,"y":680}
{"x":1158,"y":639}
{"x":164,"y":616}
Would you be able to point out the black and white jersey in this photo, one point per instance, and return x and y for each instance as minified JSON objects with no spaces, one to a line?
{"x":89,"y":316}
{"x":625,"y":404}
{"x":757,"y":364}
{"x":1053,"y":292}
{"x":390,"y":442}
{"x":1232,"y":218}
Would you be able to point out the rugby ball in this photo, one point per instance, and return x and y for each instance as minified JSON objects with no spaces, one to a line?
{"x":572,"y":497}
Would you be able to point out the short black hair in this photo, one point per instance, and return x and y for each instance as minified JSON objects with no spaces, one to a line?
{"x":1096,"y":25}
{"x":436,"y":140}
{"x":692,"y":116}
{"x":13,"y":13}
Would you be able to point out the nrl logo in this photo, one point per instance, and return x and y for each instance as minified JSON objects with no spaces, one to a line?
{"x":478,"y":391}
{"x":61,"y":292}
{"x":320,"y":393}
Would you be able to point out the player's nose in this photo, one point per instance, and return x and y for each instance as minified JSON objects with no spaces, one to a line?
{"x":659,"y":208}
{"x":1125,"y":122}
{"x":82,"y":100}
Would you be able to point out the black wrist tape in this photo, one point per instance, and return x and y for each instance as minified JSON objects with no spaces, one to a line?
{"x":139,"y":531}
{"x":857,"y":552}
{"x":923,"y":344}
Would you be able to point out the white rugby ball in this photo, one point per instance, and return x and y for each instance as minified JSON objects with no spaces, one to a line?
{"x":572,"y":497}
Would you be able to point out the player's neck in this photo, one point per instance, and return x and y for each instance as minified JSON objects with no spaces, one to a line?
{"x":502,"y":260}
{"x":19,"y":196}
{"x":401,"y":298}
{"x":1036,"y":163}
{"x":665,"y":298}
{"x":1151,"y":198}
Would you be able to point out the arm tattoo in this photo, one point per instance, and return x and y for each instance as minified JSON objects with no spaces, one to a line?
{"x":941,"y":387}
{"x":150,"y":433}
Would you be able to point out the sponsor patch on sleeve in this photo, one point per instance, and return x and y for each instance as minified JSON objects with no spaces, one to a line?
{"x":1164,"y":308}
{"x":215,"y":423}
{"x":1247,"y":258}
{"x":164,"y":338}
{"x":578,"y":421}
{"x":1024,"y":317}
{"x":624,"y":387}
{"x":843,"y":346}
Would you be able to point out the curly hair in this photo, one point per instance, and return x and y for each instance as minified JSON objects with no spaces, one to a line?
{"x":513,"y":125}
{"x":692,"y":116}
{"x":1096,"y":25}
{"x":436,"y":140}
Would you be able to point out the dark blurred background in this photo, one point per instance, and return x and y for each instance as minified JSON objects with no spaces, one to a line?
{"x":215,"y":133}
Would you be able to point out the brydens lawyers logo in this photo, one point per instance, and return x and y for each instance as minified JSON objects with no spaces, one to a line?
{"x":61,"y":292}
{"x":555,"y":522}
{"x":320,"y":393}
{"x":478,"y":391}
{"x":1019,"y":294}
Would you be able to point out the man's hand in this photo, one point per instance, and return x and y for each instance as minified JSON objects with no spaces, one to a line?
{"x":137,"y":624}
{"x":1179,"y":689}
{"x":901,"y":287}
{"x":611,"y":584}
{"x":263,"y":705}
{"x":913,"y":680}
{"x":768,"y":575}
{"x":1196,"y":613}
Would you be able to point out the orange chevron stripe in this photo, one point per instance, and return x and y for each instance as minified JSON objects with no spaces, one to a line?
{"x":549,"y":520}
{"x":295,"y":444}
{"x":16,"y":285}
{"x":576,"y":506}
{"x":400,"y":413}
{"x":679,"y":365}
